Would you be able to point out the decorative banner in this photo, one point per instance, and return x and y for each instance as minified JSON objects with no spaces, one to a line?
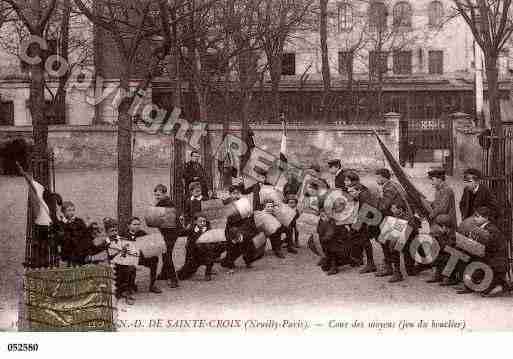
{"x":69,"y":299}
{"x":395,"y":230}
{"x":160,"y":217}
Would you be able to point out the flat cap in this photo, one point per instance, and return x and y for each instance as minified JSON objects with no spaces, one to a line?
{"x":334,"y":163}
{"x":436,"y":173}
{"x":473,"y":172}
{"x":384,"y":172}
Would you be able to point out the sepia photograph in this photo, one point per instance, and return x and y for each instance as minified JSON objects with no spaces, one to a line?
{"x":247,"y":167}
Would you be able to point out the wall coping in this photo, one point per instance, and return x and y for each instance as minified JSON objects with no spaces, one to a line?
{"x":356,"y":129}
{"x":469,"y":130}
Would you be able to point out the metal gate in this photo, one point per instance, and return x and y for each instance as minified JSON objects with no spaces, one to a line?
{"x":497,"y":168}
{"x":426,"y":134}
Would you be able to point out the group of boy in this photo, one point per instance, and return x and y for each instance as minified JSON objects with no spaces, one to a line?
{"x":343,"y":244}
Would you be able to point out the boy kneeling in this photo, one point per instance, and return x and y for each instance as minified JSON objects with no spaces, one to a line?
{"x":196,"y":254}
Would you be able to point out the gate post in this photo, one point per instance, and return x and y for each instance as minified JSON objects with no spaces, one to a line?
{"x":393,"y":123}
{"x":457,"y":121}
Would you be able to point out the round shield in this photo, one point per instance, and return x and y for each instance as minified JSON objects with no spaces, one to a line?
{"x":341,"y":207}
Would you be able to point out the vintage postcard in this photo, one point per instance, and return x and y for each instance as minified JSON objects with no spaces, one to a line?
{"x":256,"y":166}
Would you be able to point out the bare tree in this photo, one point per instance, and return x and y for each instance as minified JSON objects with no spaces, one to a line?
{"x":35,"y":15}
{"x":279,"y":21}
{"x":491,"y":24}
{"x":130,"y":24}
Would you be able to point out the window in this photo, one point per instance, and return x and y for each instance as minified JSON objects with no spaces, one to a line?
{"x":6,"y":113}
{"x":402,"y":62}
{"x":435,"y":13}
{"x":402,"y":14}
{"x":378,"y":62}
{"x":378,"y":14}
{"x":345,"y":62}
{"x":436,"y":62}
{"x":288,"y":64}
{"x":345,"y":16}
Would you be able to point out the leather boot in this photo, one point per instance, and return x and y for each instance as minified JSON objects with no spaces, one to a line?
{"x":369,"y":268}
{"x":397,"y":275}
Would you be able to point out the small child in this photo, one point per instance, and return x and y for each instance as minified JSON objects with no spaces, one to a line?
{"x":77,"y":241}
{"x":198,"y":255}
{"x":193,"y":203}
{"x":134,"y":232}
{"x":292,"y":232}
{"x":125,"y":274}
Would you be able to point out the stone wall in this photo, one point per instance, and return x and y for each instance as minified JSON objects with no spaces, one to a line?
{"x":95,"y":146}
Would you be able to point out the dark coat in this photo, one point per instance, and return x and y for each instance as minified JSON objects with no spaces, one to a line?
{"x":495,"y":249}
{"x":77,"y":240}
{"x":444,"y":203}
{"x":339,"y":181}
{"x":482,"y":198}
{"x":194,"y":172}
{"x":336,"y":241}
{"x":391,"y":195}
{"x":191,"y":207}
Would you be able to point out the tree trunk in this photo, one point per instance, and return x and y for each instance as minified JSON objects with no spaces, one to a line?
{"x":60,"y":96}
{"x":39,"y":124}
{"x":323,"y":32}
{"x":275,"y":71}
{"x":492,"y":78}
{"x":125,"y":173}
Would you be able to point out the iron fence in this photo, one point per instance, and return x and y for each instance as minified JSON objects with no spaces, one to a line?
{"x":497,"y":168}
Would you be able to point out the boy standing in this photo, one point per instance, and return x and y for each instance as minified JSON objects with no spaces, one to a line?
{"x":170,"y":236}
{"x":134,"y":232}
{"x":77,"y":241}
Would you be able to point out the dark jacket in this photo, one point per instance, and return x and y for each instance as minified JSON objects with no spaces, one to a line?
{"x":495,"y":249}
{"x":367,"y":199}
{"x":194,"y":172}
{"x":339,"y":181}
{"x":192,"y":206}
{"x":291,"y":187}
{"x":482,"y":198}
{"x":77,"y":240}
{"x":391,"y":195}
{"x":235,"y":224}
{"x":444,"y":203}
